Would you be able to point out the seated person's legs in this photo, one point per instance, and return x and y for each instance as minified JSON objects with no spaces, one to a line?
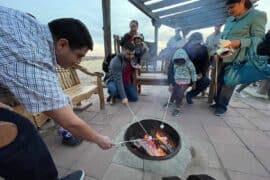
{"x":8,"y":133}
{"x":27,"y":157}
{"x":8,"y":98}
{"x":131,"y":92}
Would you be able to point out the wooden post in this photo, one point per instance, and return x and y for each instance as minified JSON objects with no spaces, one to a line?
{"x":156,"y":39}
{"x":106,"y":10}
{"x":156,"y":26}
{"x":214,"y":80}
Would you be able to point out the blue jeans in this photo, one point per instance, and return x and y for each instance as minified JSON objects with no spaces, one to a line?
{"x":27,"y":157}
{"x":130,"y":90}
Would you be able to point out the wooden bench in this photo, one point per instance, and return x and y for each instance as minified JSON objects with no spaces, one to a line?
{"x":77,"y":92}
{"x":72,"y":87}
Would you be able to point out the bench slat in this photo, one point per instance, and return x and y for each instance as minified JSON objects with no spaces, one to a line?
{"x":79,"y":92}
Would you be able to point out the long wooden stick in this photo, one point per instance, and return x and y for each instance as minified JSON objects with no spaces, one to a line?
{"x":136,"y":119}
{"x":137,"y":140}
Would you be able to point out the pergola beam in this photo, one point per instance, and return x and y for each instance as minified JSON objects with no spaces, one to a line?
{"x":191,"y":25}
{"x":197,"y":5}
{"x":194,"y":16}
{"x":198,"y":25}
{"x":143,"y":1}
{"x":164,"y":3}
{"x":139,"y":4}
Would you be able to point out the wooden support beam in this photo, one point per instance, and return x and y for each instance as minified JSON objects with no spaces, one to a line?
{"x":156,"y":39}
{"x":106,"y":11}
{"x":212,"y":4}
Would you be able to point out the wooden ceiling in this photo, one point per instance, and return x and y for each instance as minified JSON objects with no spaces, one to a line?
{"x":185,"y":14}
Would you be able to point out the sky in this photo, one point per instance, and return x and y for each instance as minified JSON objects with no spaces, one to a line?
{"x":90,"y":13}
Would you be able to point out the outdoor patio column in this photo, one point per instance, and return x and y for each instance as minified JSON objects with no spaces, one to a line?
{"x":106,"y":11}
{"x":157,"y":26}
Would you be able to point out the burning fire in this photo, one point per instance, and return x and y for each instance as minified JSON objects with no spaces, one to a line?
{"x":159,"y":145}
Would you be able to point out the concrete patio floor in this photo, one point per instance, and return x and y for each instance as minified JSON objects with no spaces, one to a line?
{"x":234,"y":147}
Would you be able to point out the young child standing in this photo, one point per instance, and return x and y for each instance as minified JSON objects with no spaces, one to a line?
{"x":140,"y":47}
{"x":181,"y":74}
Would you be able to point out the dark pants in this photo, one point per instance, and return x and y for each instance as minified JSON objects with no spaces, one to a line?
{"x":224,"y":93}
{"x":27,"y":157}
{"x":130,"y":90}
{"x":178,"y":94}
{"x":201,"y":86}
{"x":242,"y":87}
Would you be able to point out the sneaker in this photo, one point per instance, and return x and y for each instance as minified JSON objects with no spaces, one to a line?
{"x":112,"y":100}
{"x":219,"y":112}
{"x":77,"y":175}
{"x":213,"y":105}
{"x":176,"y":112}
{"x":71,"y":141}
{"x":189,"y":99}
{"x":108,"y":99}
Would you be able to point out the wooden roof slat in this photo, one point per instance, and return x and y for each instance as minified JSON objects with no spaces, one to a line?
{"x":139,"y":4}
{"x":205,"y":24}
{"x":199,"y":25}
{"x":212,"y":4}
{"x":188,"y":22}
{"x":188,"y":16}
{"x":143,"y":1}
{"x":196,"y":14}
{"x":164,"y":3}
{"x":194,"y":24}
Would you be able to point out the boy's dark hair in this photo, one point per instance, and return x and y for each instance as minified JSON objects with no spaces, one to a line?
{"x":129,"y":46}
{"x":248,"y":3}
{"x":73,"y":30}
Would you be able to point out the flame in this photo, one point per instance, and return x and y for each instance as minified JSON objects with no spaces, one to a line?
{"x":161,"y":137}
{"x":153,"y":149}
{"x":160,"y":145}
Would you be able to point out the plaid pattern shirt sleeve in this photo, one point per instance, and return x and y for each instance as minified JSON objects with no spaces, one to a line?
{"x":28,"y":63}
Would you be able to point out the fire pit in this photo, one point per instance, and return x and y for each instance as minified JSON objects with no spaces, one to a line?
{"x":173,"y":163}
{"x":158,"y":144}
